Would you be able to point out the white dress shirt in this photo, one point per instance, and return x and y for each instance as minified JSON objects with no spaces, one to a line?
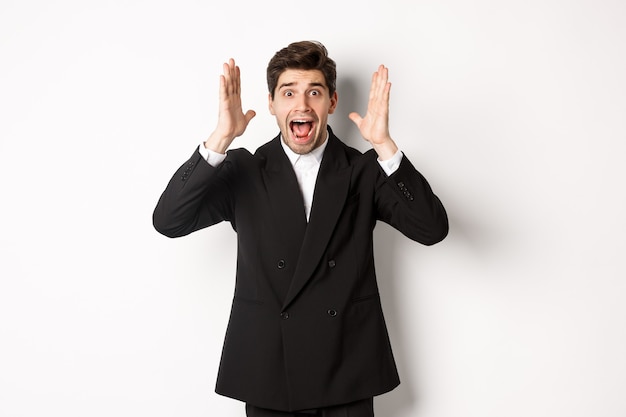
{"x":305,"y":166}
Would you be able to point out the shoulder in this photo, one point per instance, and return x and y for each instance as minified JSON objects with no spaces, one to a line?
{"x":272,"y":147}
{"x":342,"y":150}
{"x":238,"y":153}
{"x":238,"y":157}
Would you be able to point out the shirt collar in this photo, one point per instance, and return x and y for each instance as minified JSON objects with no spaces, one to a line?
{"x":318,"y":152}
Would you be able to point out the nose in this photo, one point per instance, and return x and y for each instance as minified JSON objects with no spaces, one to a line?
{"x":302,"y":103}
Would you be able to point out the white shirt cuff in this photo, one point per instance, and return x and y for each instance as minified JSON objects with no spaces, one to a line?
{"x":212,"y":157}
{"x":391,"y":165}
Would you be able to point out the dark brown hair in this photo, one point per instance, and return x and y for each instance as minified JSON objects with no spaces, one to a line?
{"x":304,"y":55}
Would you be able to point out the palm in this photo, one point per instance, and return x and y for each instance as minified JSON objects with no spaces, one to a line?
{"x":374,"y":126}
{"x":232,"y":120}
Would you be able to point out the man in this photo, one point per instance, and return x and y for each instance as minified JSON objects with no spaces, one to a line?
{"x":306,"y":335}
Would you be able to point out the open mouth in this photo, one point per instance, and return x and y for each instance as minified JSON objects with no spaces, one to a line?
{"x":301,"y":129}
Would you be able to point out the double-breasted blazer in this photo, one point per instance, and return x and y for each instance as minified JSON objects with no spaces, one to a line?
{"x":306,"y":328}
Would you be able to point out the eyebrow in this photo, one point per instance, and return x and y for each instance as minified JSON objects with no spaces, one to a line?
{"x":291,"y":84}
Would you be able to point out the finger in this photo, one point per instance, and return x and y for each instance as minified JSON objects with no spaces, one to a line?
{"x":382,"y":87}
{"x":356,"y":118}
{"x":227,"y":77}
{"x":237,"y":80}
{"x":384,"y":72}
{"x":249,"y":115}
{"x":372,"y":95}
{"x":235,"y":75}
{"x":378,"y":81}
{"x":231,"y":77}
{"x":222,"y":86}
{"x":228,"y":68}
{"x":386,"y":92}
{"x":382,"y":76}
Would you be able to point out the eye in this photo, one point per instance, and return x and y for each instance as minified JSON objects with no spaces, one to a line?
{"x":314,"y":93}
{"x":288,"y":93}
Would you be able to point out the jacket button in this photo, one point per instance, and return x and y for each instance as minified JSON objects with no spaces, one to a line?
{"x":332,"y":313}
{"x":332,"y":263}
{"x":281,"y":264}
{"x":284,"y":315}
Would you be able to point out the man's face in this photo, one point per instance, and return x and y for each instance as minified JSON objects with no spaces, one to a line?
{"x":301,"y":104}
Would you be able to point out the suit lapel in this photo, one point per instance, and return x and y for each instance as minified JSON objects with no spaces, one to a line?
{"x":331,"y":190}
{"x":285,"y":196}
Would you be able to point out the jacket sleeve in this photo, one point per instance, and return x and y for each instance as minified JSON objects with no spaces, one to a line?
{"x":197,"y":196}
{"x":405,"y":201}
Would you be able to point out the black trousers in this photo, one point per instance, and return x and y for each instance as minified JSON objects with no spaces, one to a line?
{"x":363,"y":408}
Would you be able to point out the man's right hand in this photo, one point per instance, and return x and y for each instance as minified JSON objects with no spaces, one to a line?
{"x":232,"y":122}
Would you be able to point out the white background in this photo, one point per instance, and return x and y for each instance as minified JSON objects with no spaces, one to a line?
{"x":514,"y":110}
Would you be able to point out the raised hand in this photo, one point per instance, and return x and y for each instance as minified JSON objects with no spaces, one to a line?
{"x":374,"y":127}
{"x":232,"y":122}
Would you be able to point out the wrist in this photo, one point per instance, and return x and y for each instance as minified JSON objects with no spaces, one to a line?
{"x":386,"y":149}
{"x":218,"y":143}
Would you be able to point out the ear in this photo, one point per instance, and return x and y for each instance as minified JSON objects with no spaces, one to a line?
{"x":333,"y":103}
{"x":270,"y":104}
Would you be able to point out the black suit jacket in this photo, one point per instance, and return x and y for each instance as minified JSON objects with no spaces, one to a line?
{"x":306,"y":328}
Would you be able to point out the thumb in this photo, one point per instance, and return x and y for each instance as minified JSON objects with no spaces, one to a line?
{"x":249,"y":115}
{"x":356,"y":118}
